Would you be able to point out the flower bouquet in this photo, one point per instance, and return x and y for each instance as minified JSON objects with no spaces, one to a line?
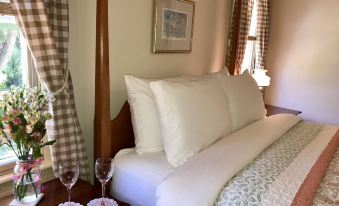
{"x":23,"y":113}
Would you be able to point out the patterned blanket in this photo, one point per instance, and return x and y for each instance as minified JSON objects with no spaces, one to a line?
{"x":328,"y":192}
{"x":270,"y":179}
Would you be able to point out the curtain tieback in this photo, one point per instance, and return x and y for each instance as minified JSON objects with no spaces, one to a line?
{"x":51,"y":95}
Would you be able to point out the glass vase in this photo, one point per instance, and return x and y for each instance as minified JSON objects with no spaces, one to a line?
{"x":27,"y":181}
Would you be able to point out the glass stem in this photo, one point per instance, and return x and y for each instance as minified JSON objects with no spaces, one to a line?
{"x":69,"y":195}
{"x":103,"y":190}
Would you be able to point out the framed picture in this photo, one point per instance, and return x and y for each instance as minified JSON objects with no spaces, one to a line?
{"x":173,"y":26}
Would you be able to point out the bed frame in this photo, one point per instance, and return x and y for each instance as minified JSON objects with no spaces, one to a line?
{"x":110,"y":136}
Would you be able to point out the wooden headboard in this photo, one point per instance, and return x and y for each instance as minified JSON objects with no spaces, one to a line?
{"x":122,"y":130}
{"x":109,"y":135}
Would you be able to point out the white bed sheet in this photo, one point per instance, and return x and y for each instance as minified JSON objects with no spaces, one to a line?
{"x":206,"y":173}
{"x":136,"y":177}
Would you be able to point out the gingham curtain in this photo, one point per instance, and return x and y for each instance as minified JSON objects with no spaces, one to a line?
{"x":44,"y":23}
{"x":244,"y":26}
{"x":231,"y":33}
{"x":262,"y":32}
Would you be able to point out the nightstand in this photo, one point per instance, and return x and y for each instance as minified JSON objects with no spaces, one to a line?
{"x":82,"y":192}
{"x":272,"y":110}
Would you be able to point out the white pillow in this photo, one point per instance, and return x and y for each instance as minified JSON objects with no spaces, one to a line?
{"x":192,"y":114}
{"x":245,"y":100}
{"x":144,"y":116}
{"x":145,"y":122}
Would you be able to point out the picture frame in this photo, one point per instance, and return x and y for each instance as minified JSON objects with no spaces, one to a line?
{"x":173,"y":24}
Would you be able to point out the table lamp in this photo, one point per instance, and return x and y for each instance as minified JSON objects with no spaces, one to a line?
{"x":262,"y":79}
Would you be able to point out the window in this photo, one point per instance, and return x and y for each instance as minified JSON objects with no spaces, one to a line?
{"x":10,"y":53}
{"x":250,"y":55}
{"x":16,"y":67}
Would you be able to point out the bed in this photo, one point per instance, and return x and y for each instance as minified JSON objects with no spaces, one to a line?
{"x":278,"y":160}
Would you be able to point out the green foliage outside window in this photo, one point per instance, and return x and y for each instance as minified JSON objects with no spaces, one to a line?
{"x":11,"y":73}
{"x":10,"y":66}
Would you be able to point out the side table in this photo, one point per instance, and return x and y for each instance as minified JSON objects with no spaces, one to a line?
{"x":56,"y":193}
{"x":272,"y":110}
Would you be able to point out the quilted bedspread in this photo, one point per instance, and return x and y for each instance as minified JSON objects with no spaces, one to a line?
{"x":280,"y":160}
{"x":278,"y":174}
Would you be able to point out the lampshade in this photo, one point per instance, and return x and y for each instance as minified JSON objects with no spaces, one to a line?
{"x":261,"y":77}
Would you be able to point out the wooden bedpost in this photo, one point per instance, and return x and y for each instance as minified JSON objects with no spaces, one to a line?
{"x":102,"y":117}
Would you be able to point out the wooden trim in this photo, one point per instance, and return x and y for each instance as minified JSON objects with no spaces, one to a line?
{"x":6,"y":168}
{"x":102,"y":118}
{"x":235,"y":38}
{"x":6,"y":9}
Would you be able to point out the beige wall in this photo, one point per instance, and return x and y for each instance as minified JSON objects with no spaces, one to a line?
{"x":303,"y":58}
{"x":130,"y":27}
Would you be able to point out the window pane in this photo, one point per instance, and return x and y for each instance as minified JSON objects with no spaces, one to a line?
{"x":10,"y":53}
{"x":253,"y":26}
{"x":249,"y":56}
{"x":10,"y":66}
{"x":6,"y":152}
{"x":248,"y":62}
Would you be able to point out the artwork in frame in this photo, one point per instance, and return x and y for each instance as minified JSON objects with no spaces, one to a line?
{"x":173,"y":26}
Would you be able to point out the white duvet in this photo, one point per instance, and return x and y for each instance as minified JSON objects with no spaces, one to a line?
{"x":199,"y":181}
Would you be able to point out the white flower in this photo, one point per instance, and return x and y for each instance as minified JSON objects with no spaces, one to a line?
{"x":29,"y":129}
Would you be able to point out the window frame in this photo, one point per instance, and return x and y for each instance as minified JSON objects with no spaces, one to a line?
{"x":6,"y":9}
{"x":7,"y":164}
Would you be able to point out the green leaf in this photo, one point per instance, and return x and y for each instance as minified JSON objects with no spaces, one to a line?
{"x":19,"y":135}
{"x":48,"y":143}
{"x":36,"y":153}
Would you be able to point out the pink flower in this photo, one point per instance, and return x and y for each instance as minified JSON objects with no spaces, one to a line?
{"x":17,"y":121}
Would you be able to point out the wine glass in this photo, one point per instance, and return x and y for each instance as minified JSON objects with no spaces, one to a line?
{"x":68,"y":174}
{"x":104,"y":171}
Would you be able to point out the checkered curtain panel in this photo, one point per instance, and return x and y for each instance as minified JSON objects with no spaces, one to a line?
{"x":244,"y":26}
{"x":44,"y":23}
{"x":262,"y":32}
{"x":231,"y":33}
{"x":244,"y":19}
{"x":242,"y":34}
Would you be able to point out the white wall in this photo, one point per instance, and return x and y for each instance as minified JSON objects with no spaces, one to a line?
{"x":303,"y":58}
{"x":130,"y":27}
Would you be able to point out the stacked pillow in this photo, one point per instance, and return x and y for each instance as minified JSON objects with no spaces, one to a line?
{"x":184,"y":115}
{"x":146,"y":125}
{"x":145,"y":121}
{"x":245,"y":101}
{"x":192,"y":114}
